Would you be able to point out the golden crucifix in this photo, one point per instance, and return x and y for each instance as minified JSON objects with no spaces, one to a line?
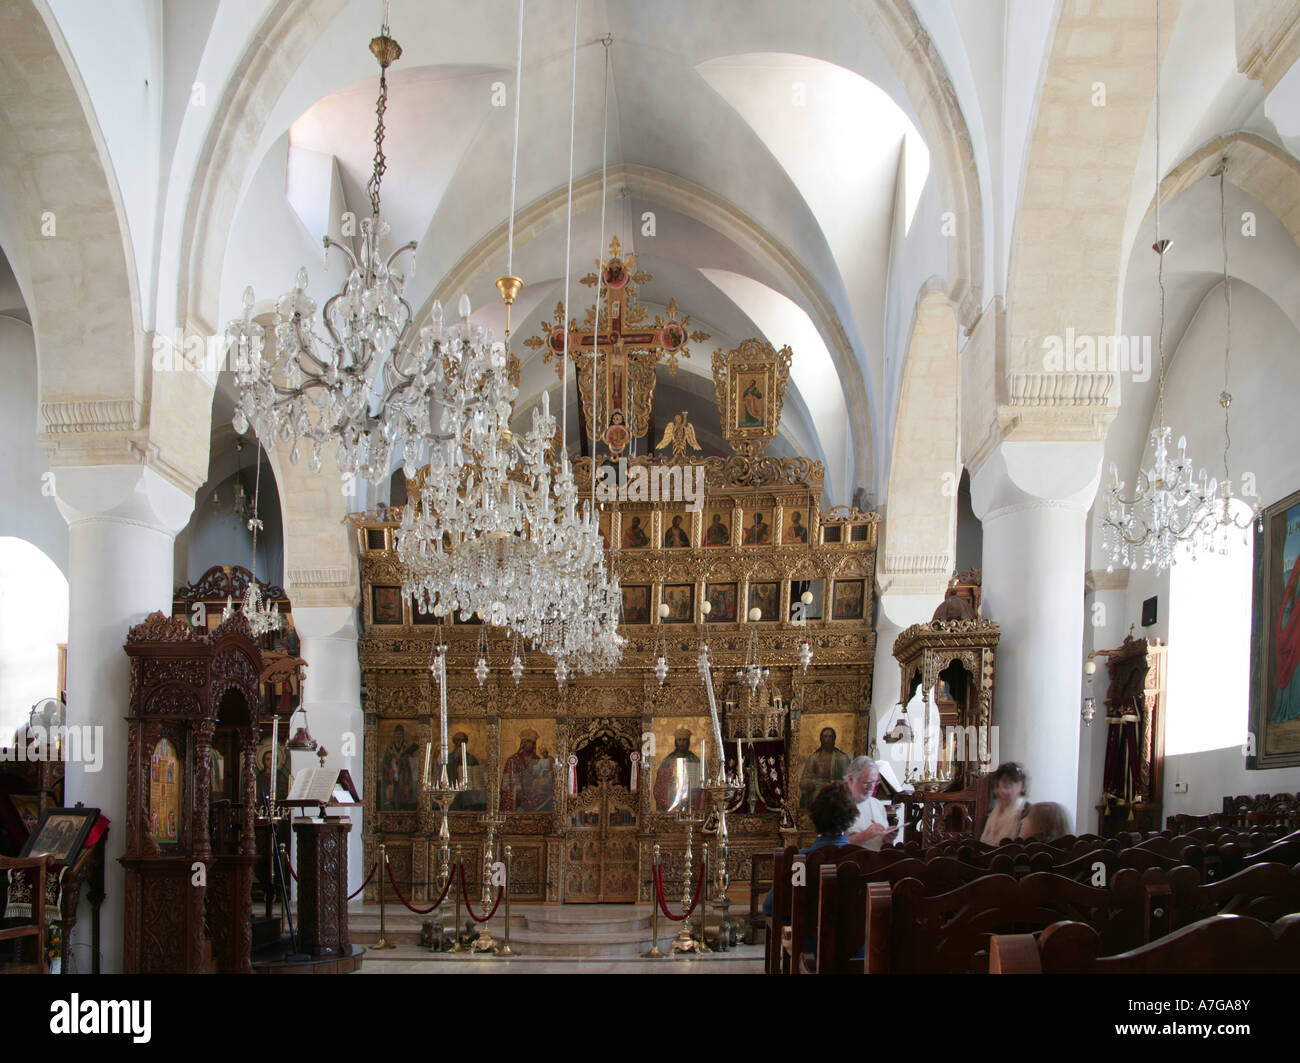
{"x":629,"y":348}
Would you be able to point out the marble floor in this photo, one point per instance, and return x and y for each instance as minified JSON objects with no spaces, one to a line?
{"x":411,"y":959}
{"x":549,"y":939}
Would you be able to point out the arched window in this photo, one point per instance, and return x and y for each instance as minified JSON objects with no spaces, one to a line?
{"x":33,"y":621}
{"x":1209,"y":648}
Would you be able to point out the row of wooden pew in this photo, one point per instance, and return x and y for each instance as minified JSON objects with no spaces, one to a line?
{"x":1245,"y":813}
{"x":846,"y":909}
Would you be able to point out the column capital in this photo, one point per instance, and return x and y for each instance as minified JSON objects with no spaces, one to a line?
{"x":1037,"y":474}
{"x":323,"y":589}
{"x":123,"y":494}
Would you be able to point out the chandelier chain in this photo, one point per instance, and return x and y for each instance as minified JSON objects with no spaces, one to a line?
{"x":514,"y":158}
{"x":1225,"y":399}
{"x":1160,"y":399}
{"x":568,"y":237}
{"x":380,"y":163}
{"x":607,"y":40}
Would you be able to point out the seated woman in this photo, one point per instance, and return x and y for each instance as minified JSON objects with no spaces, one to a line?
{"x":1045,"y":822}
{"x":833,"y":811}
{"x":1009,"y":784}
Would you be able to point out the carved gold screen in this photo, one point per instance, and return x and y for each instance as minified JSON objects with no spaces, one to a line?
{"x":608,"y":829}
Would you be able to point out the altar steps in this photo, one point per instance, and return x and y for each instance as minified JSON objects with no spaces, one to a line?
{"x":571,"y":930}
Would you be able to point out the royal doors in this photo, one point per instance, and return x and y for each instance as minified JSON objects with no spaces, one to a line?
{"x":601,"y":846}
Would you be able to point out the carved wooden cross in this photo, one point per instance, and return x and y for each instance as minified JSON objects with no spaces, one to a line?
{"x":628,"y":347}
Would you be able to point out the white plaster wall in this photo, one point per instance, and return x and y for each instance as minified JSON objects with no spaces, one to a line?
{"x":218,"y":538}
{"x":1265,"y":441}
{"x":268,"y":243}
{"x":29,"y":511}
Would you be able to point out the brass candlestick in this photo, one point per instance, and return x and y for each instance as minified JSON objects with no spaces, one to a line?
{"x":484,"y":943}
{"x":443,"y":793}
{"x":722,"y":794}
{"x":684,"y":941}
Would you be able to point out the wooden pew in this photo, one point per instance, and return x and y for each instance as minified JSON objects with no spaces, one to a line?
{"x":889,"y":864}
{"x":782,"y":860}
{"x":909,"y":932}
{"x":760,"y":881}
{"x":842,"y":903}
{"x":1222,"y":944}
{"x":1263,"y":891}
{"x":1285,"y":850}
{"x":803,"y":902}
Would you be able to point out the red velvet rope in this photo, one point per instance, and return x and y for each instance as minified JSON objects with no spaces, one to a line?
{"x":292,"y":872}
{"x":367,"y":881}
{"x":464,"y":892}
{"x":417,"y":911}
{"x":663,"y":905}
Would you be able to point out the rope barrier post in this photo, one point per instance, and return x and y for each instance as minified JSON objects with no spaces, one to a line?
{"x":383,"y":932}
{"x":455,"y":908}
{"x":703,"y":895}
{"x":654,"y":953}
{"x":505,"y":949}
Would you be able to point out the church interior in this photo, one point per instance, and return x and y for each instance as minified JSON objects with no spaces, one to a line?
{"x":583,"y":486}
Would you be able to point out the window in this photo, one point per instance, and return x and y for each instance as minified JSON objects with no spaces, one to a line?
{"x":1209,"y":648}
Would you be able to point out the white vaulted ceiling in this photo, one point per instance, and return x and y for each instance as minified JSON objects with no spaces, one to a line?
{"x":793,"y":125}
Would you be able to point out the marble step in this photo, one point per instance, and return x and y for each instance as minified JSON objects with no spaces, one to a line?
{"x":553,"y":930}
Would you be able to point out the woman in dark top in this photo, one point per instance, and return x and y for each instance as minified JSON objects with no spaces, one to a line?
{"x":833,"y":811}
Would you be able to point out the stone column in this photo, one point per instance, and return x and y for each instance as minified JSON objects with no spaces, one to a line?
{"x":897,"y":610}
{"x":332,"y":698}
{"x":1033,"y":498}
{"x":122,"y":523}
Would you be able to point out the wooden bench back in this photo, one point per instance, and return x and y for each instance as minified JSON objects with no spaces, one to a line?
{"x":805,"y":895}
{"x":1222,"y":944}
{"x":909,"y":932}
{"x":1262,"y":891}
{"x":781,"y":862}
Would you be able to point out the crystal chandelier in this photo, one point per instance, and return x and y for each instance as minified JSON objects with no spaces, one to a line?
{"x":1144,"y":529}
{"x":492,"y":527}
{"x":362,"y":383}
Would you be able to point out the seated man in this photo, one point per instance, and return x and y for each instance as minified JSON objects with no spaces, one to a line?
{"x":871,"y":827}
{"x":833,"y":812}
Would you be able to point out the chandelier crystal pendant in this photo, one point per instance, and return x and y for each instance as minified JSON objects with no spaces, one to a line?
{"x":753,"y":673}
{"x":358,"y":379}
{"x":1166,"y":507}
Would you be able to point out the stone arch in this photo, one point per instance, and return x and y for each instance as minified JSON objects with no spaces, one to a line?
{"x":689,"y":199}
{"x":1077,"y":179}
{"x":1255,"y":165}
{"x":921,"y":515}
{"x":82,"y":290}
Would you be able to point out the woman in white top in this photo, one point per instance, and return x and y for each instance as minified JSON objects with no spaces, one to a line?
{"x":1005,"y":816}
